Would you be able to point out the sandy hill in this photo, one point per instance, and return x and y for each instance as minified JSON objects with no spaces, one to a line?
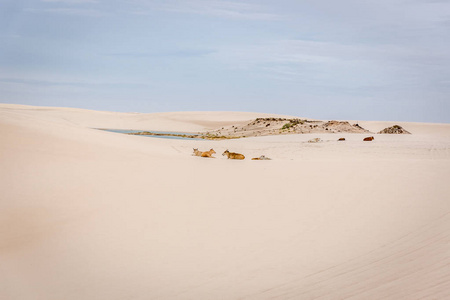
{"x":276,"y":126}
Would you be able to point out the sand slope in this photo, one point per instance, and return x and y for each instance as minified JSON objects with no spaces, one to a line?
{"x":87,"y":214}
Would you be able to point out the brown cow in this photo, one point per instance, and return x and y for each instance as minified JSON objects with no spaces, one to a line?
{"x":369,"y":139}
{"x":233,"y":155}
{"x":208,"y":153}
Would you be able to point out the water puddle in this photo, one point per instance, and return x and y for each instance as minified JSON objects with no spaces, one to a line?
{"x":158,"y":134}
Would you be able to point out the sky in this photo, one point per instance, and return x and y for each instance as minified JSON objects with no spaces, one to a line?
{"x":323,"y":59}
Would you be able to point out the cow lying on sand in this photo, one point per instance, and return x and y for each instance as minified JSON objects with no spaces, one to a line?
{"x":315,"y":140}
{"x":233,"y":155}
{"x":369,"y":139}
{"x":262,"y":157}
{"x":208,"y":153}
{"x":196,"y":152}
{"x":204,"y":154}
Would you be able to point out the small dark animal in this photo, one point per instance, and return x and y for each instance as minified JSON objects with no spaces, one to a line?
{"x":369,"y":139}
{"x":341,"y":139}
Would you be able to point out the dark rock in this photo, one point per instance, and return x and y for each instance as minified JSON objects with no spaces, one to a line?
{"x":396,"y":129}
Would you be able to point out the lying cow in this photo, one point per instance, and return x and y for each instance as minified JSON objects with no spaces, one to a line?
{"x":262,"y":157}
{"x":233,"y":155}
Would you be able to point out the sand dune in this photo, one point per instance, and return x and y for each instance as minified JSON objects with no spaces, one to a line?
{"x":89,"y":214}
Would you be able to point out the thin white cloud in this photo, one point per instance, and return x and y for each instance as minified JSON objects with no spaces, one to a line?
{"x":218,"y":8}
{"x":316,"y":52}
{"x":175,"y":53}
{"x":11,"y":36}
{"x":336,"y":64}
{"x":40,"y":82}
{"x":68,"y":11}
{"x":71,"y":1}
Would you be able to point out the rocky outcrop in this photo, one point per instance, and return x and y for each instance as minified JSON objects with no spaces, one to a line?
{"x":343,"y":126}
{"x":396,"y":129}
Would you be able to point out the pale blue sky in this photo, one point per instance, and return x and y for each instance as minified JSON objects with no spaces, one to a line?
{"x":348,"y":59}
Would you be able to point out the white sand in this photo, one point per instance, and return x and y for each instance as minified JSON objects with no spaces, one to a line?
{"x":88,"y":214}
